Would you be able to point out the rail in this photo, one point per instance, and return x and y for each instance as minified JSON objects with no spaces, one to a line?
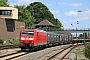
{"x":62,"y":54}
{"x":9,"y":47}
{"x":13,"y":55}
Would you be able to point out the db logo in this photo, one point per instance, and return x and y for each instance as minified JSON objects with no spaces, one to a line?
{"x":27,"y":38}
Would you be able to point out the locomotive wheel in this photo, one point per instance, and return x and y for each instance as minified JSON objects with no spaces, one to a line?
{"x":40,"y":47}
{"x":56,"y":44}
{"x":35,"y":49}
{"x":44,"y":46}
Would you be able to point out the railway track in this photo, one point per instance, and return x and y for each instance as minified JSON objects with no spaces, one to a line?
{"x":12,"y":56}
{"x":62,"y":54}
{"x":58,"y":56}
{"x":9,"y":47}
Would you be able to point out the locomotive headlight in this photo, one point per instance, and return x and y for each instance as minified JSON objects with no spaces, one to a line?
{"x":22,"y":38}
{"x":21,"y":41}
{"x":31,"y":38}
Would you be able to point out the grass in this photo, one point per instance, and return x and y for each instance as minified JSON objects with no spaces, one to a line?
{"x":79,"y":52}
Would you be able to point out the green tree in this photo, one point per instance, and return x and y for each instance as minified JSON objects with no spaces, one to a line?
{"x":58,"y":24}
{"x":41,"y":12}
{"x":4,"y":3}
{"x":25,"y":16}
{"x":83,"y":36}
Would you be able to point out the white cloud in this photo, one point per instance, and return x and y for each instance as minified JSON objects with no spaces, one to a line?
{"x":62,"y":3}
{"x":49,"y":5}
{"x":85,"y":16}
{"x":20,"y":2}
{"x":82,"y":19}
{"x":86,"y":13}
{"x":76,"y":4}
{"x":26,"y":1}
{"x":65,"y":22}
{"x":55,"y":11}
{"x":71,"y":13}
{"x":71,"y":4}
{"x":58,"y":15}
{"x":13,"y":4}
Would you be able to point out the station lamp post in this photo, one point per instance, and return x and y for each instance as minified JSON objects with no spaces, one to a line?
{"x":82,"y":11}
{"x":78,"y":21}
{"x":77,"y":29}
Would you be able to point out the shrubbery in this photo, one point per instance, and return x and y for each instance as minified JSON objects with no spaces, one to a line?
{"x":87,"y":50}
{"x":13,"y":42}
{"x":1,"y":41}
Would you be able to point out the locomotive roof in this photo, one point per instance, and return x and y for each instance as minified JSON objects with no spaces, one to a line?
{"x":41,"y":30}
{"x":51,"y":33}
{"x":28,"y":29}
{"x":33,"y":30}
{"x":68,"y":33}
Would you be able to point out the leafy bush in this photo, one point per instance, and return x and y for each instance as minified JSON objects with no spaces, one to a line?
{"x":1,"y":41}
{"x":13,"y":42}
{"x":87,"y":50}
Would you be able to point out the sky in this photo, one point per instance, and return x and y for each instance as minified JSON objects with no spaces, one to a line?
{"x":66,"y":11}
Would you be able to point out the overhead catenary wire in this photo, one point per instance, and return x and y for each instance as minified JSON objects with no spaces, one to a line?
{"x":60,"y":10}
{"x":58,"y":6}
{"x":13,"y":2}
{"x":45,"y":5}
{"x":44,"y":2}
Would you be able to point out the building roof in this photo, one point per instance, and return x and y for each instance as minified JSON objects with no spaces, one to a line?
{"x":45,"y":23}
{"x":8,"y":8}
{"x":8,"y":13}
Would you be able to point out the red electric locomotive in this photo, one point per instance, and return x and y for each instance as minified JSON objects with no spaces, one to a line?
{"x":30,"y":38}
{"x":35,"y":38}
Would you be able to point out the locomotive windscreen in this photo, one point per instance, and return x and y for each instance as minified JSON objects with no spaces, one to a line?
{"x":24,"y":33}
{"x":30,"y":33}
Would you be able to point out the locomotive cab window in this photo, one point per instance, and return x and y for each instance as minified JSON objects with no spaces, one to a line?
{"x":27,"y":33}
{"x":30,"y":33}
{"x":24,"y":33}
